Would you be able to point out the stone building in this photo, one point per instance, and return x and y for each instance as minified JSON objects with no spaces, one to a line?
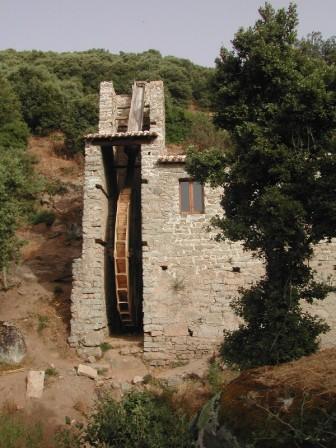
{"x":149,"y":262}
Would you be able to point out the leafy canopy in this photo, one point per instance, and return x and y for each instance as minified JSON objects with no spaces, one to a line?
{"x":17,"y":184}
{"x":278,"y":103}
{"x":59,"y":91}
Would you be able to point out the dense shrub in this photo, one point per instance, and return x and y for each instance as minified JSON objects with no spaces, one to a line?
{"x":59,"y":91}
{"x":178,"y":123}
{"x":202,"y":134}
{"x":41,"y":97}
{"x":15,"y":433}
{"x":141,"y":420}
{"x":17,"y":183}
{"x":43,"y":217}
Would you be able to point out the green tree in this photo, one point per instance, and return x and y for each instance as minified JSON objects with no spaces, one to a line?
{"x":17,"y":184}
{"x":315,"y":45}
{"x":42,"y":81}
{"x":279,"y":105}
{"x":42,"y":101}
{"x":81,"y":117}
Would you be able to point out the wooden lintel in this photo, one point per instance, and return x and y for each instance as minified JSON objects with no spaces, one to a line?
{"x":122,"y":141}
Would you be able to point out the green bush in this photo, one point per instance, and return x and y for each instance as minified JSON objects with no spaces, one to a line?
{"x":43,"y":216}
{"x":140,"y":420}
{"x":55,"y":187}
{"x":42,"y":323}
{"x":202,"y":134}
{"x":18,"y":185}
{"x":51,"y":372}
{"x":41,"y":97}
{"x":215,"y":376}
{"x":14,"y":433}
{"x":178,"y":123}
{"x":105,"y":347}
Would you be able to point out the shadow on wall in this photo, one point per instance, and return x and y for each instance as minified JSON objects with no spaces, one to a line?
{"x":115,"y":164}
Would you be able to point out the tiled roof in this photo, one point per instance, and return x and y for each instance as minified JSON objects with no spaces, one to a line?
{"x":115,"y":135}
{"x":172,"y":159}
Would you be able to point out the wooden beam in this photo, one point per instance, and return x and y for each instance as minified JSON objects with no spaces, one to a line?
{"x":137,"y":107}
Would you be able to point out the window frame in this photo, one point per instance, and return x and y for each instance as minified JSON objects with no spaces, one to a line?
{"x":192,"y":210}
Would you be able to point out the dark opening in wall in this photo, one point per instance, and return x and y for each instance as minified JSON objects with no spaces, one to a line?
{"x":123,"y":276}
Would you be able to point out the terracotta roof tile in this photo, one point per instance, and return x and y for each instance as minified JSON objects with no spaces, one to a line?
{"x":121,"y":135}
{"x":172,"y":159}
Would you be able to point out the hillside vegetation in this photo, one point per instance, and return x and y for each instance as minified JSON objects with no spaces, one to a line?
{"x":17,"y":183}
{"x":59,"y":91}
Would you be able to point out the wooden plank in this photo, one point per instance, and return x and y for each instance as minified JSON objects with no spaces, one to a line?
{"x":137,"y":108}
{"x":120,"y":250}
{"x":121,"y":265}
{"x":122,"y":281}
{"x":121,"y":261}
{"x":122,"y":141}
{"x":123,"y":306}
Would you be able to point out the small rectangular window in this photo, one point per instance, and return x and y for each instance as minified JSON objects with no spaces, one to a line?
{"x":191,"y":196}
{"x":184,"y":196}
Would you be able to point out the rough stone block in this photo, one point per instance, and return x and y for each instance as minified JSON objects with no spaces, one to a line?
{"x":93,"y":338}
{"x":156,"y":333}
{"x":176,"y":330}
{"x":12,"y":344}
{"x":35,"y":383}
{"x":87,"y":371}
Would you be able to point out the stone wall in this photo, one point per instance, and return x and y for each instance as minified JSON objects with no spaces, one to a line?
{"x":89,"y":323}
{"x":188,"y":277}
{"x":324,"y":263}
{"x":89,"y":320}
{"x":107,"y":108}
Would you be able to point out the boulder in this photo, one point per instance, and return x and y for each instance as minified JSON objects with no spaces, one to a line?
{"x":87,"y":371}
{"x":12,"y":344}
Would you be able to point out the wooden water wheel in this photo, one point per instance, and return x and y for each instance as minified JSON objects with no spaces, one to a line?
{"x":123,"y":238}
{"x":122,"y":257}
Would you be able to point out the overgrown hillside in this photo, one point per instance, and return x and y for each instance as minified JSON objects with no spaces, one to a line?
{"x":59,"y":91}
{"x":17,"y":182}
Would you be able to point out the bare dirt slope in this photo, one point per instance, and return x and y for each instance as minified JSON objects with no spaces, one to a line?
{"x":38,"y":302}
